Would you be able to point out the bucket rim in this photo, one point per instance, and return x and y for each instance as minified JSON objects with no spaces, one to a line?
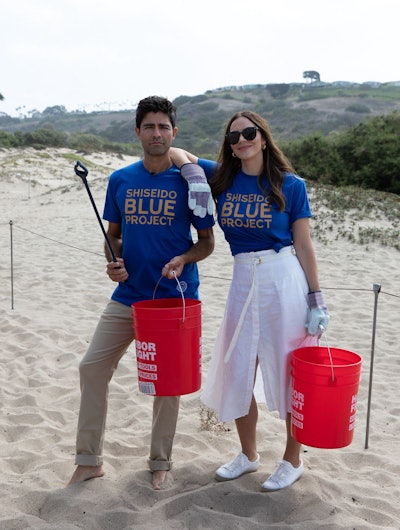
{"x":146,"y":304}
{"x":332,"y":350}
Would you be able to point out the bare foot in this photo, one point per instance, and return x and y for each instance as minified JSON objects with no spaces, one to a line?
{"x":83,"y":473}
{"x":158,"y":478}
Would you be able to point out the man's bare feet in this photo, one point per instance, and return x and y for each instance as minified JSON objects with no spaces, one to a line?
{"x":83,"y":473}
{"x":158,"y":478}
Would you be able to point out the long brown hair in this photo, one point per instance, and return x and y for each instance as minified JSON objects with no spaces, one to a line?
{"x":275,"y":164}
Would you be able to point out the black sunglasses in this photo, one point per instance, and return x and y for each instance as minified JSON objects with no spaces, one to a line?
{"x":249,"y":133}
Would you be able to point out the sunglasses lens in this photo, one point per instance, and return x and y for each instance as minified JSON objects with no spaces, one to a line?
{"x":233,"y":137}
{"x":249,"y":133}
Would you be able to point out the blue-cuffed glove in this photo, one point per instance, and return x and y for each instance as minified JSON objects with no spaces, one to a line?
{"x":200,"y":198}
{"x":318,"y":317}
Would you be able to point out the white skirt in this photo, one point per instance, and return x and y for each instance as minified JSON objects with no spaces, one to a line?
{"x":264,"y":318}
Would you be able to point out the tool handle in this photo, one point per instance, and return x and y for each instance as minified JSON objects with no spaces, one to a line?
{"x":82,"y":172}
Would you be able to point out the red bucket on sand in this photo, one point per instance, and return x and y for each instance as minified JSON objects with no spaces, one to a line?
{"x":324,"y":396}
{"x":168,"y":346}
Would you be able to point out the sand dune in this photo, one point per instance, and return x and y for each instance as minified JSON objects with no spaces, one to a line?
{"x":48,"y":313}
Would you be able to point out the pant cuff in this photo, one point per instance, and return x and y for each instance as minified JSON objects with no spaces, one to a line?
{"x":88,"y":460}
{"x":159,"y":465}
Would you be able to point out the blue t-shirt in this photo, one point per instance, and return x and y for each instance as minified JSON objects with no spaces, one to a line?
{"x":249,"y":222}
{"x":156,"y":226}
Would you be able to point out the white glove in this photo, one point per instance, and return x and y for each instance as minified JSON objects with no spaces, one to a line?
{"x":318,"y":318}
{"x":199,"y":195}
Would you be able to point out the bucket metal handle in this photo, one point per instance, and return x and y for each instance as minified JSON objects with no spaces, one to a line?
{"x":329,"y":353}
{"x":179,"y":289}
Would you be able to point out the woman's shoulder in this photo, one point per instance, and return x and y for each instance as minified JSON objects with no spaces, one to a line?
{"x":208,"y":166}
{"x":292,"y":179}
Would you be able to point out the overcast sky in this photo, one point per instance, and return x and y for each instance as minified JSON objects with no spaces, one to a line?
{"x":108,"y":54}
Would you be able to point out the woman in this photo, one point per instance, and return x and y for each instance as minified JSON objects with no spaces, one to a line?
{"x":274,"y":303}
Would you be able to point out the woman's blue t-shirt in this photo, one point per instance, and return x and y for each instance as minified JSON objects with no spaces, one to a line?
{"x":249,"y":222}
{"x":156,"y":226}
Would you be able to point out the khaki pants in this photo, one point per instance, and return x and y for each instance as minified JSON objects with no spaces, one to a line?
{"x":113,"y":335}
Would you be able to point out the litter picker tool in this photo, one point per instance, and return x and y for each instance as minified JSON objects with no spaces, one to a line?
{"x":83,"y":172}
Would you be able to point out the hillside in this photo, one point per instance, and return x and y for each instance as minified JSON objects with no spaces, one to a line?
{"x":292,"y":110}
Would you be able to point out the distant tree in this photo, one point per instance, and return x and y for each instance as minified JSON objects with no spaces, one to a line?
{"x":315,"y":158}
{"x":34,"y":113}
{"x":1,"y":97}
{"x":54,"y":111}
{"x":86,"y":142}
{"x":7,"y":139}
{"x":278,"y":90}
{"x":370,"y":153}
{"x":46,"y":137}
{"x":311,"y":74}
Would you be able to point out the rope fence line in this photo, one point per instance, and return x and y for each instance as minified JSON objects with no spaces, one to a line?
{"x":376,"y":289}
{"x":202,"y":275}
{"x":323,"y":287}
{"x":55,"y":240}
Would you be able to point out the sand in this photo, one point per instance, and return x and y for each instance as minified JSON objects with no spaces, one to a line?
{"x":49,"y":305}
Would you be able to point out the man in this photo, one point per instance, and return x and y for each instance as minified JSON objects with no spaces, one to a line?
{"x":149,"y":224}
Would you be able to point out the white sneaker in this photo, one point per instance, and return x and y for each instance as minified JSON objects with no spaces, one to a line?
{"x":285,"y":475}
{"x":237,"y":467}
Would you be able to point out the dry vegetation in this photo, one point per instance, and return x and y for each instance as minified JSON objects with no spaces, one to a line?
{"x":352,"y":213}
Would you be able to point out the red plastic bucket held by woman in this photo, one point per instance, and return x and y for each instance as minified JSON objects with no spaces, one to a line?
{"x":168,"y":346}
{"x":324,"y":396}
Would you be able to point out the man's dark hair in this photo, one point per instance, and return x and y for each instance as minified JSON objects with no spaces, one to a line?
{"x":155,"y":104}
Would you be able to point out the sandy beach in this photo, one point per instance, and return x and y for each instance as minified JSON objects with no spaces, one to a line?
{"x":53,"y":287}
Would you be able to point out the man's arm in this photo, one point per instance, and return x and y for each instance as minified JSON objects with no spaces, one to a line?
{"x":115,"y":270}
{"x":114,"y":234}
{"x":199,"y":196}
{"x":180,"y":157}
{"x":199,"y":251}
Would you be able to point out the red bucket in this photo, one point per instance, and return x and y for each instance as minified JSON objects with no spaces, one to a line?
{"x":168,"y":346}
{"x":324,"y":396}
